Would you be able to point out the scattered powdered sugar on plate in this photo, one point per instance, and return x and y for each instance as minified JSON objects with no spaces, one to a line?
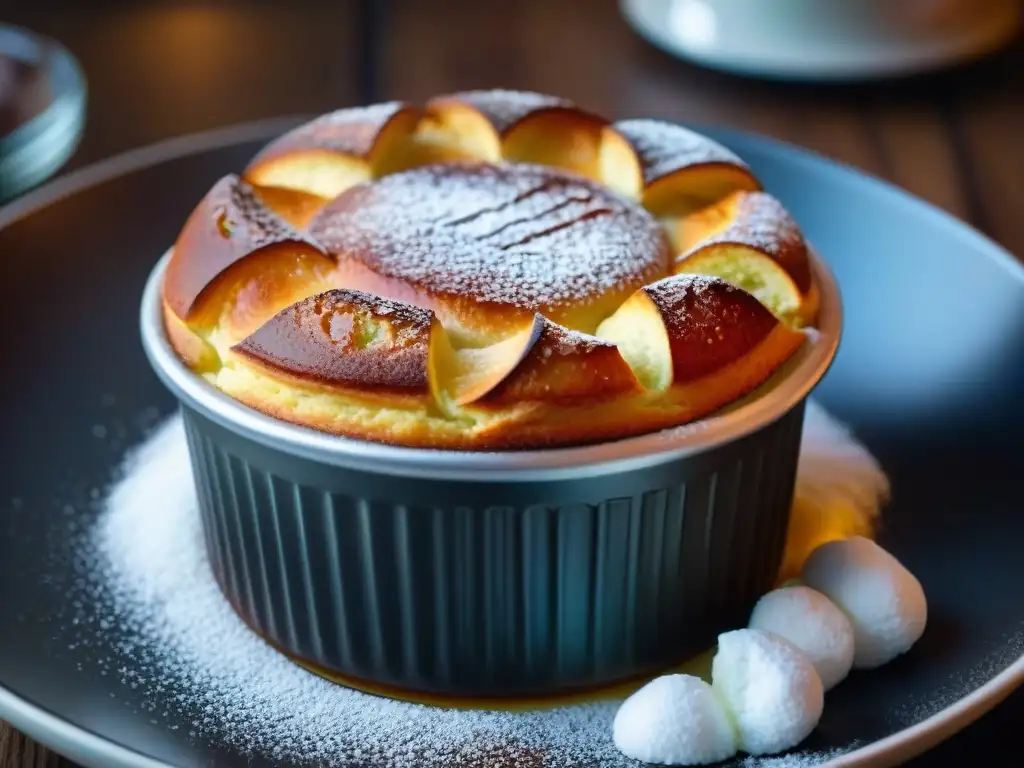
{"x":149,"y":545}
{"x":795,"y":759}
{"x":145,"y":576}
{"x":971,"y":678}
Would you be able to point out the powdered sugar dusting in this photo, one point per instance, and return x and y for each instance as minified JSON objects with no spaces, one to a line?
{"x":150,"y":549}
{"x":146,"y":574}
{"x":559,"y":340}
{"x":351,"y":131}
{"x":520,"y":235}
{"x":245,"y":210}
{"x":798,"y":759}
{"x":664,"y":148}
{"x":711,"y":322}
{"x":405,"y":319}
{"x":762,"y":222}
{"x":969,"y":679}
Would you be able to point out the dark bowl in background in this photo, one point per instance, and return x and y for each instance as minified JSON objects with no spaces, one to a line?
{"x":42,"y":109}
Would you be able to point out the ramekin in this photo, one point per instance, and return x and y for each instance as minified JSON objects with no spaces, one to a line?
{"x":497,"y":574}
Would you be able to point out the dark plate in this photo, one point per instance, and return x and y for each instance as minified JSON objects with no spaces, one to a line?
{"x":930,"y":372}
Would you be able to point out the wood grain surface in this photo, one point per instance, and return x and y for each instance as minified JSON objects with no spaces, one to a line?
{"x":159,"y":68}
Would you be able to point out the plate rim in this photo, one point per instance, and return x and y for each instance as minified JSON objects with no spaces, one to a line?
{"x":94,"y":751}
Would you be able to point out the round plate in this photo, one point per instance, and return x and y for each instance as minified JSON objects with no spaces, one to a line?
{"x":790,"y":46}
{"x":36,"y":149}
{"x":930,"y":374}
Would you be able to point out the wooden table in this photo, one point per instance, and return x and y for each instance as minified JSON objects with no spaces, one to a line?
{"x":158,"y":69}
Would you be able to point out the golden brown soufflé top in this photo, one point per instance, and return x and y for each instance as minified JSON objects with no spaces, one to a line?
{"x":492,"y":270}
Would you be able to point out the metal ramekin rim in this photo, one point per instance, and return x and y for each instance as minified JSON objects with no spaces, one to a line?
{"x":492,"y":466}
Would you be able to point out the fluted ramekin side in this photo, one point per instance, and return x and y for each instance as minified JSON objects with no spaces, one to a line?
{"x":494,"y":589}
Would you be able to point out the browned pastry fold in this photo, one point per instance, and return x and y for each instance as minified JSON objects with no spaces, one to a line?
{"x":542,"y":362}
{"x":700,"y":339}
{"x":476,"y":242}
{"x":502,"y":110}
{"x":492,"y":271}
{"x":674,"y":170}
{"x":751,"y":240}
{"x":348,"y":338}
{"x":335,"y":151}
{"x":518,"y":126}
{"x":752,"y":220}
{"x":230,"y":224}
{"x":295,"y":206}
{"x":709,"y":323}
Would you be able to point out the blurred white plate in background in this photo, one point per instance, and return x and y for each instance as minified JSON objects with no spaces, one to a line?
{"x":825,"y":39}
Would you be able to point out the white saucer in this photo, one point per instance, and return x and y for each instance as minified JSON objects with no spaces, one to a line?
{"x":816,"y":46}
